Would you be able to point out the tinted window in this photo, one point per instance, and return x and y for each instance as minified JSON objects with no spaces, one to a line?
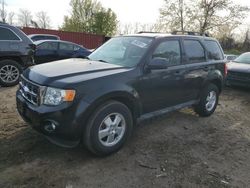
{"x":48,"y":46}
{"x":50,"y":38}
{"x":194,"y":51}
{"x":37,"y":38}
{"x":170,"y":51}
{"x":6,"y":34}
{"x":65,"y":46}
{"x":76,"y":47}
{"x":214,"y":52}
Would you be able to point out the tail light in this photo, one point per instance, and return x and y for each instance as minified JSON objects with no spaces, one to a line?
{"x":32,"y":46}
{"x":225,"y":69}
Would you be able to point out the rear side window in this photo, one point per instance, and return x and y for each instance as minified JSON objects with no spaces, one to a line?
{"x":7,"y":34}
{"x":170,"y":51}
{"x":214,"y":52}
{"x":48,"y":46}
{"x":194,"y":51}
{"x":65,"y":46}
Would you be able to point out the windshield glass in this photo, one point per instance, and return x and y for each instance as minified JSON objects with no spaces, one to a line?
{"x":124,"y":51}
{"x":243,"y":58}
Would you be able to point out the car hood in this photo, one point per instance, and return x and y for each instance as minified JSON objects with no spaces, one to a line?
{"x":70,"y":71}
{"x":238,"y":67}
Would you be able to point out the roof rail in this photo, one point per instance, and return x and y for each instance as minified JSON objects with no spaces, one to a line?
{"x":140,"y":32}
{"x":189,"y":33}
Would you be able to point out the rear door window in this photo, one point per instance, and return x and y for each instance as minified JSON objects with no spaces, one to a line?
{"x":214,"y":51}
{"x":194,"y":51}
{"x":65,"y":46}
{"x":48,"y":46}
{"x":7,"y":34}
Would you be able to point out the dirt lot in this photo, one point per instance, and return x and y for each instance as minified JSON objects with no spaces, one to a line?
{"x":176,"y":150}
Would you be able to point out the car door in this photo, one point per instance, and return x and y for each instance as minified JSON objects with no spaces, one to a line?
{"x":46,"y":52}
{"x":66,"y":50}
{"x":198,"y":67}
{"x":163,"y":88}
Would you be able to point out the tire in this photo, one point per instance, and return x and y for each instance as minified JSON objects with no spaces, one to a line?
{"x":206,"y":108}
{"x":10,"y":71}
{"x":102,"y":136}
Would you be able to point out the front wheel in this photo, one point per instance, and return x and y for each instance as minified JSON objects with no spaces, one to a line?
{"x":208,"y":101}
{"x":108,"y":128}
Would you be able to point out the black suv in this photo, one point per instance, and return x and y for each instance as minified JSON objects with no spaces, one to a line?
{"x":99,"y":100}
{"x":16,"y":53}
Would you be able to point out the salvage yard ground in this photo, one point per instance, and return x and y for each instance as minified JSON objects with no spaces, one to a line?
{"x":176,"y":150}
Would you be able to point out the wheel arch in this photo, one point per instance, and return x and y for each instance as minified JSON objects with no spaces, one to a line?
{"x":215,"y":78}
{"x":14,"y":58}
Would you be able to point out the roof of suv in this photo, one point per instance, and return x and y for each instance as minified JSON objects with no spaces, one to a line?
{"x":159,"y":35}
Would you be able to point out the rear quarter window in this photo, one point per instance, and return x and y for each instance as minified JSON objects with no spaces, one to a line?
{"x":7,"y":34}
{"x":213,"y":49}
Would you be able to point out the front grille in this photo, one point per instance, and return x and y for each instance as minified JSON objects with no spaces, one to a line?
{"x":238,"y":75}
{"x":30,"y":91}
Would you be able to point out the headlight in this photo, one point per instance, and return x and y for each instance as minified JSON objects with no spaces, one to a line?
{"x":54,"y":96}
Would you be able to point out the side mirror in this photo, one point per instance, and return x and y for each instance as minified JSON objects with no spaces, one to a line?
{"x":158,"y":63}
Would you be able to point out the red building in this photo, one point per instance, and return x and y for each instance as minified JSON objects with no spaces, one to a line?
{"x":87,"y":40}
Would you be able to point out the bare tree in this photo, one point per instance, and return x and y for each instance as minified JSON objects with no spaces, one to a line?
{"x":131,"y":28}
{"x":11,"y":18}
{"x":3,"y":12}
{"x":43,"y":20}
{"x":204,"y":15}
{"x":24,"y":17}
{"x":211,"y":17}
{"x":176,"y":15}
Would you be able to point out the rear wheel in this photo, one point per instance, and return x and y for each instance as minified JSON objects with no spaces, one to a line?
{"x":208,"y":101}
{"x":108,"y":128}
{"x":10,"y":71}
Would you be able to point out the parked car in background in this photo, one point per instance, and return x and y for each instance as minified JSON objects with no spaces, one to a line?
{"x":16,"y":53}
{"x":230,"y":57}
{"x":99,"y":100}
{"x":51,"y":50}
{"x":239,"y":71}
{"x":36,"y":37}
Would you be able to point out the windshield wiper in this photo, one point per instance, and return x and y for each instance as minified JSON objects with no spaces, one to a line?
{"x":86,"y":57}
{"x":101,"y":60}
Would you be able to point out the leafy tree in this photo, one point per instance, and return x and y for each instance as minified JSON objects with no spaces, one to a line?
{"x":105,"y":22}
{"x":90,"y":16}
{"x":206,"y":15}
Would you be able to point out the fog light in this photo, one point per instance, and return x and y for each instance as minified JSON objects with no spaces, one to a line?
{"x":50,"y":126}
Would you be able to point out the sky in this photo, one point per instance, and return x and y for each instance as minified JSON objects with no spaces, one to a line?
{"x":128,"y":11}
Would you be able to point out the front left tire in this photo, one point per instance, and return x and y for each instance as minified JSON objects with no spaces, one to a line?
{"x":108,"y":128}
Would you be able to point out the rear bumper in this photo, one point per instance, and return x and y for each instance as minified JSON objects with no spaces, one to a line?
{"x":62,"y":125}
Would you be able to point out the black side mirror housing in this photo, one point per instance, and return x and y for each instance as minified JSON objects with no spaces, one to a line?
{"x":158,"y":63}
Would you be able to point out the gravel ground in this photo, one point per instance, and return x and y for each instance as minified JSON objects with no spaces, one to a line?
{"x":179,"y":149}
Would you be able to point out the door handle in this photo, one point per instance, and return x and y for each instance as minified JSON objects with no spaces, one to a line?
{"x":206,"y":69}
{"x":177,"y":73}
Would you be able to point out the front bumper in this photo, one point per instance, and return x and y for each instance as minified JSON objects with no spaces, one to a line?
{"x":62,"y":124}
{"x":237,"y":82}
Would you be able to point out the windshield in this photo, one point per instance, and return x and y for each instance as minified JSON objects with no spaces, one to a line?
{"x":124,"y":51}
{"x":243,"y":58}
